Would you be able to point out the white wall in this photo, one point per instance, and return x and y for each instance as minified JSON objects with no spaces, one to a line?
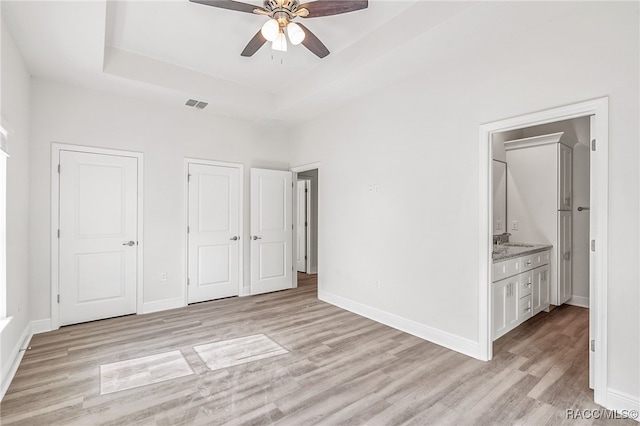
{"x":418,"y":140}
{"x":166,"y":135}
{"x":15,"y":85}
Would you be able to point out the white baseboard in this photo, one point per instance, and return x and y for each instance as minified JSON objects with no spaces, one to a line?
{"x":313,"y":270}
{"x":623,"y":403}
{"x":581,"y":301}
{"x":14,"y":360}
{"x":439,"y":337}
{"x":41,"y":326}
{"x":162,"y":305}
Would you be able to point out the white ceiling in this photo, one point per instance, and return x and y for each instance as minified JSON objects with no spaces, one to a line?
{"x":175,"y":50}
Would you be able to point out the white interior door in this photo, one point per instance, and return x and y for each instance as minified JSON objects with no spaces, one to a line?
{"x":271,"y":230}
{"x":213,"y":232}
{"x":301,"y":226}
{"x":98,"y":236}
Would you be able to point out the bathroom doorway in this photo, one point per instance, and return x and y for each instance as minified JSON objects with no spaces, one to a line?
{"x":595,"y":147}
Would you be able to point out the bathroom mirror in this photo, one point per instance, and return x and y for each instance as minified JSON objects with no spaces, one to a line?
{"x":499,"y":197}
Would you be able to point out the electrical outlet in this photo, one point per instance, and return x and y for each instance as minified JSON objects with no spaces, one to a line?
{"x":378,"y":284}
{"x":163,"y":276}
{"x":514,"y":225}
{"x":499,"y":224}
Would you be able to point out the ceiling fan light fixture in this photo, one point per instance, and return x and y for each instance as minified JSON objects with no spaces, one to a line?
{"x":295,"y":33}
{"x":270,"y":30}
{"x":280,"y":43}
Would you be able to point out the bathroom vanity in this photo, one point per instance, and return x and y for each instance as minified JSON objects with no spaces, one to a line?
{"x":520,"y":287}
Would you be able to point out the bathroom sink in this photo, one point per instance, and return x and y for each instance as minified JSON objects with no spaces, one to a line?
{"x":517,"y":245}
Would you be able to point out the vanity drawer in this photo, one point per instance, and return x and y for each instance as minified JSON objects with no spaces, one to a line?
{"x":525,"y":308}
{"x":543,"y":258}
{"x":506,"y":269}
{"x":528,"y":262}
{"x":526,"y":283}
{"x":534,"y":260}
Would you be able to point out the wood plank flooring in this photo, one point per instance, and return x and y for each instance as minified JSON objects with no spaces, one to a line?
{"x":340,"y":369}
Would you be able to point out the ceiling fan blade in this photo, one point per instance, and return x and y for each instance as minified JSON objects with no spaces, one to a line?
{"x":254,"y":45}
{"x":333,"y":7}
{"x":229,"y":4}
{"x":313,"y":43}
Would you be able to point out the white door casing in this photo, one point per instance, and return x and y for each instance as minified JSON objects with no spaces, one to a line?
{"x":98,"y":236}
{"x":271,"y":230}
{"x":213,"y":232}
{"x":599,"y":192}
{"x":301,"y":225}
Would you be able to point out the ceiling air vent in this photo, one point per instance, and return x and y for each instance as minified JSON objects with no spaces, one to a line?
{"x":196,"y":103}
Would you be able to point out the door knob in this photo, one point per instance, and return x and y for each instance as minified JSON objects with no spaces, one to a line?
{"x":234,"y":239}
{"x":255,"y":237}
{"x":129,"y":243}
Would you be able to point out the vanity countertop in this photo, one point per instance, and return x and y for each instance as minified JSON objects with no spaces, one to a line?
{"x":509,"y":250}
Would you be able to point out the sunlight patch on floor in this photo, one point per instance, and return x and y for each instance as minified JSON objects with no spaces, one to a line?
{"x":143,"y":371}
{"x":227,"y":353}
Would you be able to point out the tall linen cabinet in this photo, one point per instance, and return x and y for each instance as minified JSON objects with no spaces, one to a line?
{"x":539,"y":201}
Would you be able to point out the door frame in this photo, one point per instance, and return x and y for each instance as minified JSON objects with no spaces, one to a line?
{"x":55,"y":221}
{"x":299,"y":169}
{"x":241,"y":218}
{"x":599,"y":190}
{"x":307,"y":262}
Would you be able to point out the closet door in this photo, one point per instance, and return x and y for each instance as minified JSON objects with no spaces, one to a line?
{"x":213,"y":232}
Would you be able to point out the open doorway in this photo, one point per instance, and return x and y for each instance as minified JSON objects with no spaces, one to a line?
{"x":306,"y":219}
{"x":308,"y":216}
{"x":591,"y":289}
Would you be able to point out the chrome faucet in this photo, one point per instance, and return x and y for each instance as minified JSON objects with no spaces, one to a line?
{"x":501,"y":238}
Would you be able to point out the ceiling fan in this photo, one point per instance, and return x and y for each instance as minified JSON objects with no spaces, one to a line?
{"x":281,"y":14}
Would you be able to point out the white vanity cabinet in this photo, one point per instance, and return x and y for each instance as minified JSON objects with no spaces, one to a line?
{"x":520,"y":289}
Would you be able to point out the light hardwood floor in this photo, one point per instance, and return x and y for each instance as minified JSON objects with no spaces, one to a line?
{"x":339,"y":369}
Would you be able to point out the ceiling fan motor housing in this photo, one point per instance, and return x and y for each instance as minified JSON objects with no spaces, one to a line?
{"x":288,"y":6}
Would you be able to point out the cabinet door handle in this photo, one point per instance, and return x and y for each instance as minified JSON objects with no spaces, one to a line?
{"x":528,"y":263}
{"x":567,"y":256}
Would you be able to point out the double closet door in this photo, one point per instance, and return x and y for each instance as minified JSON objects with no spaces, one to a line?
{"x":215,"y":237}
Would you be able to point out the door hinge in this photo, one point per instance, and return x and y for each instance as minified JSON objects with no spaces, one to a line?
{"x":58,"y":233}
{"x":58,"y":298}
{"x":187,"y":229}
{"x":188,"y":177}
{"x":306,"y":224}
{"x":306,"y":190}
{"x":188,"y":281}
{"x":593,"y":345}
{"x":58,"y":168}
{"x":593,"y":144}
{"x":593,"y":245}
{"x":305,"y":258}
